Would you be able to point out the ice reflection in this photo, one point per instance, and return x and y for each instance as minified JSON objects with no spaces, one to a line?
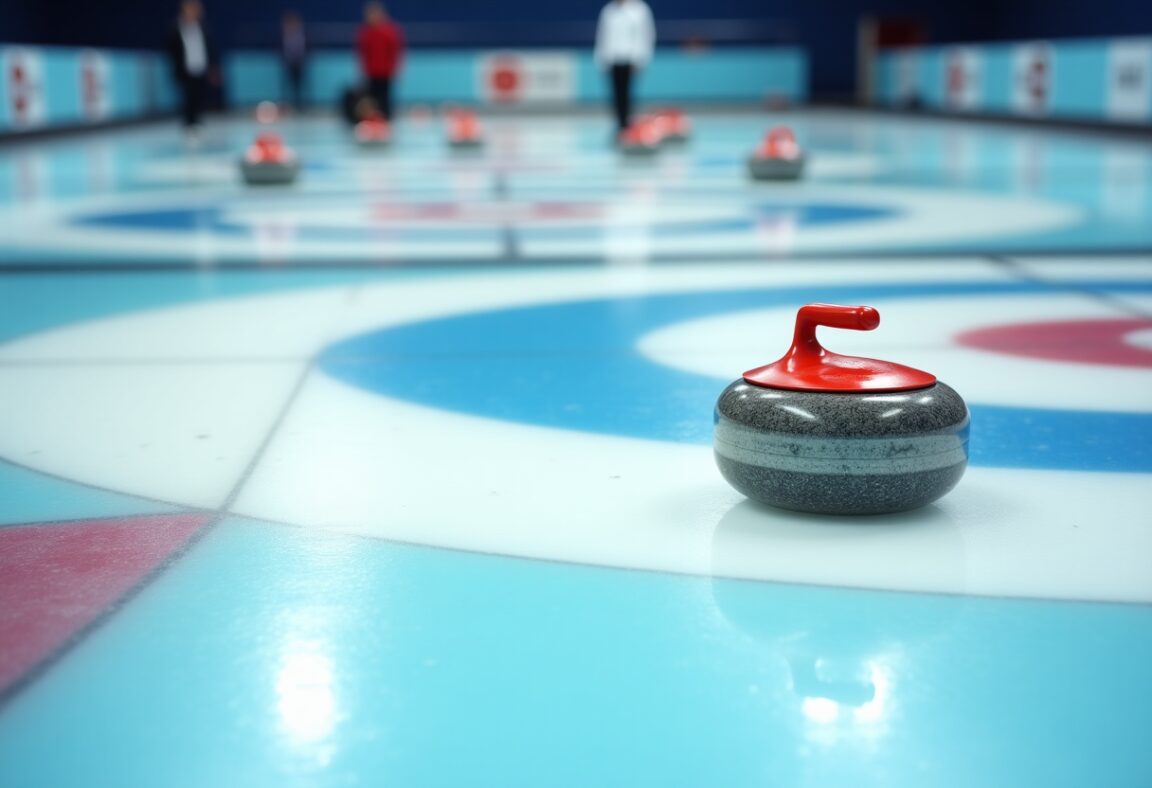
{"x":628,"y":234}
{"x":306,"y":697}
{"x":860,"y":713}
{"x":1124,"y":193}
{"x":850,"y":654}
{"x":820,"y":710}
{"x":776,"y":230}
{"x":275,"y":238}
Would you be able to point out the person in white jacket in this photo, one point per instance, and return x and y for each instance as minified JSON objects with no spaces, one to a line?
{"x":624,"y":41}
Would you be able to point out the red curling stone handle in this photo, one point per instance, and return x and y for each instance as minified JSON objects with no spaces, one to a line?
{"x":808,"y":366}
{"x":856,"y":318}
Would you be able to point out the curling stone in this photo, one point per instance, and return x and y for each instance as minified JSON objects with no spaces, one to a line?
{"x":373,"y":131}
{"x":464,"y":131}
{"x":779,"y":157}
{"x":817,"y":431}
{"x":642,"y":138}
{"x":268,"y":161}
{"x":676,"y":125}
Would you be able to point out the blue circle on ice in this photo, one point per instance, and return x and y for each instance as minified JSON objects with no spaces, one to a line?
{"x":575,"y":366}
{"x":215,"y":218}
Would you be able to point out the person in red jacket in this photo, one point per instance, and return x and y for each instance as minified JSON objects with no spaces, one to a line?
{"x":381,"y":47}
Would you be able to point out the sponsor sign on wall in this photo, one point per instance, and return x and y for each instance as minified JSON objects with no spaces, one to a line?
{"x":1032,"y":78}
{"x":24,"y":86}
{"x":95,"y":99}
{"x":1130,"y":80}
{"x":963,"y":78}
{"x":526,"y":77}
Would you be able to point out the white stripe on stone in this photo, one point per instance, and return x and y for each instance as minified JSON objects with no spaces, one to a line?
{"x":838,"y":456}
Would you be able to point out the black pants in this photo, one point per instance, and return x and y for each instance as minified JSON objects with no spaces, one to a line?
{"x":294,"y":76}
{"x":195,"y":90}
{"x":622,"y":93}
{"x":380,"y":90}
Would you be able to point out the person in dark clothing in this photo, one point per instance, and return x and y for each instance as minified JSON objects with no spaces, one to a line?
{"x":380,"y":45}
{"x":294,"y":51}
{"x":193,"y":59}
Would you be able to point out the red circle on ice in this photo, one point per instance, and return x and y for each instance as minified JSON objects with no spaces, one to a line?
{"x":1078,"y":341}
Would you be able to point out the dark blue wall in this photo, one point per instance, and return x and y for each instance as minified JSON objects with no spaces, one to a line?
{"x":1073,"y":18}
{"x":18,"y":21}
{"x":827,"y":28}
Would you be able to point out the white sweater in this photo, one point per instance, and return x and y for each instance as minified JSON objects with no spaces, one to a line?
{"x":625,"y":34}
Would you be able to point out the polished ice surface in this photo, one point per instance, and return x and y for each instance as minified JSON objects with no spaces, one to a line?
{"x":441,"y":429}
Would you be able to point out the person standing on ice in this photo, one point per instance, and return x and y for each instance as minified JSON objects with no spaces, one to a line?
{"x":624,"y":41}
{"x":294,"y":54}
{"x":381,"y":46}
{"x":193,"y":58}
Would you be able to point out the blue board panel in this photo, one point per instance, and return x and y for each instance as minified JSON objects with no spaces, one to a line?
{"x":1080,"y":79}
{"x":1079,"y":87}
{"x":932,"y":79}
{"x":252,"y":78}
{"x":56,"y":73}
{"x":62,"y":86}
{"x":439,"y":76}
{"x":885,"y":76}
{"x":997,"y":78}
{"x":744,"y":74}
{"x":126,"y":92}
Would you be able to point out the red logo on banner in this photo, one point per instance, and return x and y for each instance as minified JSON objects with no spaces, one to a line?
{"x":19,"y":88}
{"x":956,"y":77}
{"x":1036,"y":80}
{"x":505,"y":79}
{"x":91,"y":88}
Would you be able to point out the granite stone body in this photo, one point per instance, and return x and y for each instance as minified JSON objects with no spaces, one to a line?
{"x":638,"y":149}
{"x":764,"y":168}
{"x":466,"y":143}
{"x":841,"y":453}
{"x":269,"y":173}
